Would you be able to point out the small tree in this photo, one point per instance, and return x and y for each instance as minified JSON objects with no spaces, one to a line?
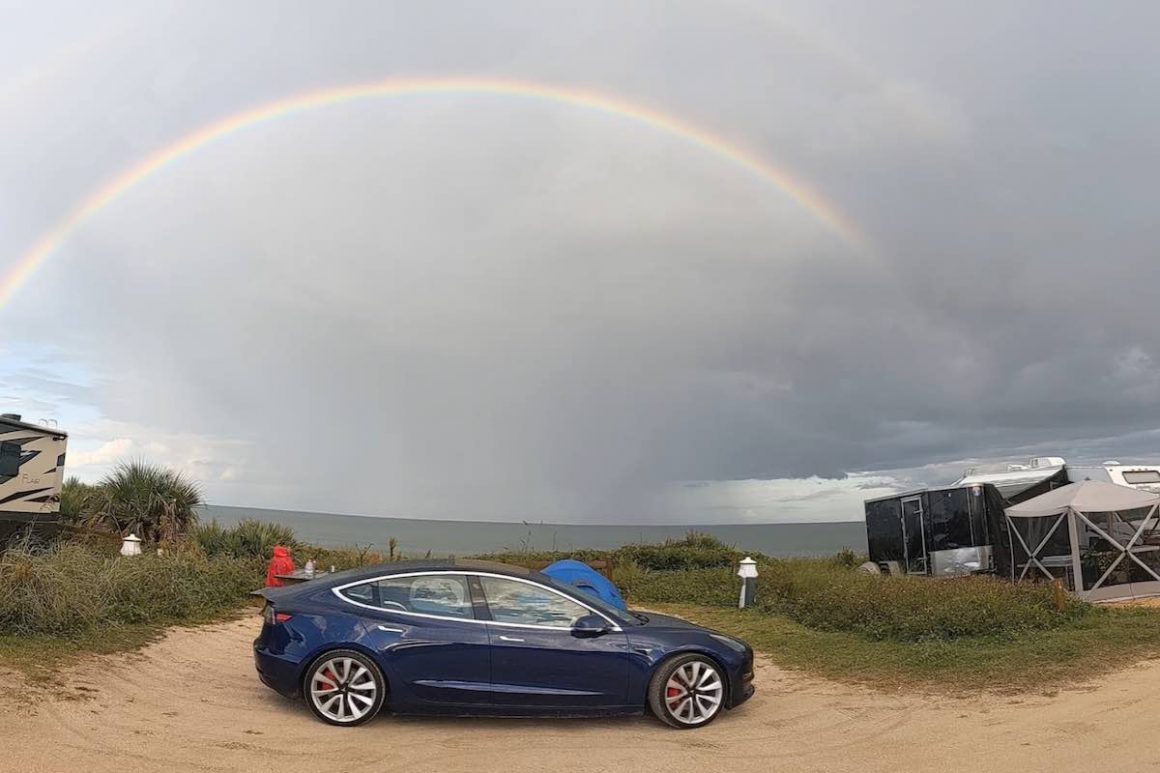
{"x":153,"y":502}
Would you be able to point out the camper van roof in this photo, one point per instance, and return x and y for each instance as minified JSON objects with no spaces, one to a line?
{"x":1012,"y":482}
{"x":1007,"y":478}
{"x":20,"y":424}
{"x":916,"y":491}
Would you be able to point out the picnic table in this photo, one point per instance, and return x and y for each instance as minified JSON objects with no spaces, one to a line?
{"x":300,"y":575}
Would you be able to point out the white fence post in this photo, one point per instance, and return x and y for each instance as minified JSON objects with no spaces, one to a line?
{"x":748,"y":574}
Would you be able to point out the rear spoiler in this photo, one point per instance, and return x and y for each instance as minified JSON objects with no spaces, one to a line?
{"x":274,"y":595}
{"x":271,"y":594}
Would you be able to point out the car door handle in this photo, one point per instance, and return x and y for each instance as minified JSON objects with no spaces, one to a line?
{"x":509,"y":638}
{"x":388,"y":629}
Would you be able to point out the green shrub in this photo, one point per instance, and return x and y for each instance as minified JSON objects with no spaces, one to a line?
{"x":543,"y":557}
{"x":343,"y":558}
{"x":78,"y":500}
{"x":822,"y":594}
{"x":908,"y":608}
{"x":716,"y":586}
{"x":248,"y":539}
{"x":847,"y":559}
{"x":694,"y":551}
{"x":70,"y":589}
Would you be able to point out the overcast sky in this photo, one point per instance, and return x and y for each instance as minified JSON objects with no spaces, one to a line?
{"x":478,"y":306}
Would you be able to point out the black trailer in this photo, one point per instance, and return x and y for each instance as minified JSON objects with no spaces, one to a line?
{"x":952,"y":530}
{"x":940,"y":532}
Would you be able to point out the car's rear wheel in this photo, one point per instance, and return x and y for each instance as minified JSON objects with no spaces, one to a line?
{"x":687,"y":691}
{"x":344,"y":687}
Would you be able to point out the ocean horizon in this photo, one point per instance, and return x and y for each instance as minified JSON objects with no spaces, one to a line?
{"x":416,"y":536}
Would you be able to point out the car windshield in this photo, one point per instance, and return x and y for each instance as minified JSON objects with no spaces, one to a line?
{"x":619,"y":615}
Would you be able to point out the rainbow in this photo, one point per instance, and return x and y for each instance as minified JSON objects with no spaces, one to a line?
{"x":27,"y":264}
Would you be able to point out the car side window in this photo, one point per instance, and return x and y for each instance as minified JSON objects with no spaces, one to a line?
{"x":522,"y":603}
{"x":442,"y":595}
{"x":363,"y":594}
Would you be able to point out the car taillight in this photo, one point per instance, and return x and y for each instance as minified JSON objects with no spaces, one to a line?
{"x":271,"y":616}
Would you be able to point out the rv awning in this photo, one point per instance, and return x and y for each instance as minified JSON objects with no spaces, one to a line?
{"x":1089,"y":496}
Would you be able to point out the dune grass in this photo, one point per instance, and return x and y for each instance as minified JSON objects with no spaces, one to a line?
{"x":1105,"y":640}
{"x":963,"y":635}
{"x":72,"y":599}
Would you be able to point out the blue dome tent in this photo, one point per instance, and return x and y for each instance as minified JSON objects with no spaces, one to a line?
{"x":587,"y":579}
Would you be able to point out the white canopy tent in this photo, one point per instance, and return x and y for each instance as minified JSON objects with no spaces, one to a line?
{"x":1101,"y":539}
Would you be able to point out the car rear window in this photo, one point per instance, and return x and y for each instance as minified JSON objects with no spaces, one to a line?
{"x":439,"y":595}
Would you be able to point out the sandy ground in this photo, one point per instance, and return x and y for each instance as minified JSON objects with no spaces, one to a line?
{"x":192,"y":702}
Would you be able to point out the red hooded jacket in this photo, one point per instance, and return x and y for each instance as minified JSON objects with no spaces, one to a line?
{"x":281,"y":563}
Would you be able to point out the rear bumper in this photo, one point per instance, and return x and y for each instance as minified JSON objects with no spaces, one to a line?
{"x":277,"y":673}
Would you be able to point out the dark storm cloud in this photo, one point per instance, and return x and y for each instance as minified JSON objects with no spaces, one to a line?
{"x":482,"y":307}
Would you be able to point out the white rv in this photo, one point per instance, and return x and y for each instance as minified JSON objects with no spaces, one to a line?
{"x":1018,"y":482}
{"x":1140,"y":476}
{"x":31,"y":469}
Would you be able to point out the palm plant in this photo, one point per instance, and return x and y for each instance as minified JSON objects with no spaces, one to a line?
{"x":153,"y":502}
{"x":77,"y":500}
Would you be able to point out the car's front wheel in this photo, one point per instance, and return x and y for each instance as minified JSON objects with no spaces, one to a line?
{"x":344,"y":687}
{"x":687,"y":691}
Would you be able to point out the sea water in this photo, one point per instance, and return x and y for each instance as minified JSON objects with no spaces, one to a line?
{"x":415,"y":537}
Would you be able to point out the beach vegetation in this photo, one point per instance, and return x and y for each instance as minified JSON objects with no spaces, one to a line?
{"x":817,"y":615}
{"x":249,"y":539}
{"x":151,"y":501}
{"x":946,"y":635}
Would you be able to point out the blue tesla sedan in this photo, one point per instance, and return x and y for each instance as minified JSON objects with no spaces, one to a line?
{"x":470,"y":637}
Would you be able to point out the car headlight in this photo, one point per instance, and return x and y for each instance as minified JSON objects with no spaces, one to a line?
{"x":730,"y":642}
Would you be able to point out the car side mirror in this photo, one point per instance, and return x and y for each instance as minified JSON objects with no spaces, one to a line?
{"x":590,"y":625}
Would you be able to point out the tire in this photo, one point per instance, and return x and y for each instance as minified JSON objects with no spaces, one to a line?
{"x":344,"y":688}
{"x":683,"y":711}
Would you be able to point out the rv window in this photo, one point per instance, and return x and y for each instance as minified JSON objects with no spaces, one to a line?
{"x":1141,"y":476}
{"x":9,"y":460}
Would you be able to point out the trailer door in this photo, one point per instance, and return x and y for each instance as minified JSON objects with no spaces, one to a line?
{"x":914,"y":537}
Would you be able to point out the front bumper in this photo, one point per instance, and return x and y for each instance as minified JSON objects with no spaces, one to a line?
{"x":744,"y":691}
{"x":743,"y":688}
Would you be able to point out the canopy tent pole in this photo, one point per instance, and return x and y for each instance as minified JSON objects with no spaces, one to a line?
{"x":1076,"y":562}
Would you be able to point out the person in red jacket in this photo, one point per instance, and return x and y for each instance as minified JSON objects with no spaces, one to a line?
{"x":281,"y":563}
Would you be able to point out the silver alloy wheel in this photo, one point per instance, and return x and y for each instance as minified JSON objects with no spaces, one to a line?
{"x":694,"y":693}
{"x":343,"y":690}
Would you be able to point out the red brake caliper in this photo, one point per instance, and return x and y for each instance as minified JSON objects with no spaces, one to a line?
{"x":673,"y":692}
{"x":333,"y":679}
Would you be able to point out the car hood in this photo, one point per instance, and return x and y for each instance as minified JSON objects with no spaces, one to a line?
{"x":668,"y":621}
